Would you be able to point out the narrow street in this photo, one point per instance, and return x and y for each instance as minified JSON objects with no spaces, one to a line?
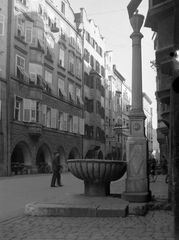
{"x":21,"y":190}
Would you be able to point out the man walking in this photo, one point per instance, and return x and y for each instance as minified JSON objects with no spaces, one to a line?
{"x":56,"y":170}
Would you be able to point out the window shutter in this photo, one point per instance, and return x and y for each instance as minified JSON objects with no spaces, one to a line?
{"x":81,"y":126}
{"x":33,"y":111}
{"x":53,"y":118}
{"x":44,"y":113}
{"x":75,"y":124}
{"x":61,"y":120}
{"x":26,"y":110}
{"x":14,"y":105}
{"x":65,"y":121}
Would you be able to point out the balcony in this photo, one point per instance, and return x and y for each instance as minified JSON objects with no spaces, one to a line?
{"x":164,"y":96}
{"x":34,"y":130}
{"x":160,"y":136}
{"x":164,"y":60}
{"x":158,"y":3}
{"x":157,"y":9}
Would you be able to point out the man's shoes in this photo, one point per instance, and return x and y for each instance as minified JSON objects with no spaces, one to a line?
{"x":60,"y":185}
{"x":53,"y":186}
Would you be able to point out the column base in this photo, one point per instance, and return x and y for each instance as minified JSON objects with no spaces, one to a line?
{"x":137,"y":197}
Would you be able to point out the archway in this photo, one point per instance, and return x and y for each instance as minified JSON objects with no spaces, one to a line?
{"x":74,"y":154}
{"x":43,"y":155}
{"x":20,"y":157}
{"x":100,"y":155}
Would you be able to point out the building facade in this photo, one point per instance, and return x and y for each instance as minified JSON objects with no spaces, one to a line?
{"x":94,"y":91}
{"x":42,"y":108}
{"x":160,"y":19}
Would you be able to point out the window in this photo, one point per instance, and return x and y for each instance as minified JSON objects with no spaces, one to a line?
{"x":75,"y":124}
{"x":98,"y":84}
{"x":50,"y":40}
{"x":33,"y":111}
{"x":1,"y":25}
{"x":38,"y":38}
{"x":91,"y":108}
{"x":91,"y":131}
{"x":71,"y":63}
{"x":40,"y":9}
{"x":98,"y":130}
{"x":65,"y":116}
{"x":26,"y":110}
{"x":48,"y":81}
{"x":97,"y":67}
{"x":98,"y":107}
{"x":87,"y":36}
{"x":44,"y":113}
{"x":79,"y":45}
{"x":18,"y":108}
{"x":48,"y":117}
{"x":78,"y":96}
{"x":72,"y":37}
{"x":63,"y":30}
{"x":87,"y":55}
{"x":25,"y":2}
{"x":20,"y":27}
{"x":20,"y":67}
{"x":35,"y":72}
{"x":61,"y":57}
{"x":81,"y":126}
{"x":28,"y":32}
{"x":61,"y":88}
{"x":34,"y":6}
{"x":38,"y":112}
{"x":63,"y":8}
{"x":60,"y":120}
{"x":70,"y":123}
{"x":48,"y":77}
{"x":78,"y":68}
{"x":71,"y":92}
{"x":53,"y":118}
{"x":92,"y":61}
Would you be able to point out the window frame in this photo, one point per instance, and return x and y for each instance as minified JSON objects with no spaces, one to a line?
{"x":19,"y":68}
{"x":61,"y":56}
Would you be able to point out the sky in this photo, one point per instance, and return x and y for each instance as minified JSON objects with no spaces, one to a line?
{"x":112,"y":18}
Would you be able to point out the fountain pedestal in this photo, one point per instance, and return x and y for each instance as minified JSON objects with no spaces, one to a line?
{"x":97,"y":174}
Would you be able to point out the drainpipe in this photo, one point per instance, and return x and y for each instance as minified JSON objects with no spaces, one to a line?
{"x":9,"y":21}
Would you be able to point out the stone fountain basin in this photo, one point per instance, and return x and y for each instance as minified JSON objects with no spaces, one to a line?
{"x":97,"y":174}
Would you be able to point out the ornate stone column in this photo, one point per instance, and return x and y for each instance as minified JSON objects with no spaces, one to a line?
{"x":137,"y":184}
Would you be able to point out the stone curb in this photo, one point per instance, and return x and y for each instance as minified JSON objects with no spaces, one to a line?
{"x":60,"y":210}
{"x":80,"y":210}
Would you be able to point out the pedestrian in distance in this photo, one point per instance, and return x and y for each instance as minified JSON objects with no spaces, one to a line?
{"x":56,"y":177}
{"x":164,"y":163}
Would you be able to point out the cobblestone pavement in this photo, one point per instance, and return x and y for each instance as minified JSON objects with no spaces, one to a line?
{"x":157,"y":225}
